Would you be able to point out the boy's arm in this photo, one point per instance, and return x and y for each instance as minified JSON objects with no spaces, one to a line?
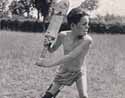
{"x":56,"y":45}
{"x":44,"y":62}
{"x":74,"y":53}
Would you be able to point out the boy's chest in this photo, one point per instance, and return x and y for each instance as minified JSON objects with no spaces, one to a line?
{"x":69,"y":44}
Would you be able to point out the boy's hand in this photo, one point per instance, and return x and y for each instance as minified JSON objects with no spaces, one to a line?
{"x":42,"y":63}
{"x":48,"y":40}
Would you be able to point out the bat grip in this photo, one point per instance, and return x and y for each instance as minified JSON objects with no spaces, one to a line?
{"x":44,"y":52}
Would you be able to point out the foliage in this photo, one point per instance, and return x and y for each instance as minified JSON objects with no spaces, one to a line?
{"x":42,"y":7}
{"x":25,"y":24}
{"x":16,"y":8}
{"x":20,"y":7}
{"x":90,"y":4}
{"x":108,"y":24}
{"x":3,"y":4}
{"x":27,"y":5}
{"x":24,"y":7}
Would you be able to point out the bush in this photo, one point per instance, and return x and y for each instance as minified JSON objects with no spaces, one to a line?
{"x":21,"y":25}
{"x":101,"y":24}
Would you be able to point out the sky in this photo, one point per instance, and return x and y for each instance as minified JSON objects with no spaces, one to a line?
{"x":116,"y":7}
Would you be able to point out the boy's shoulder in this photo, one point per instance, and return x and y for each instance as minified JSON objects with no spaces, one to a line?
{"x":87,"y":37}
{"x":62,"y":34}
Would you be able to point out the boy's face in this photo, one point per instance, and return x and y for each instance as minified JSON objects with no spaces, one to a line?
{"x":83,"y":26}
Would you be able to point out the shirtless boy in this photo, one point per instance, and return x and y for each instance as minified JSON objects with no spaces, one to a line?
{"x":76,"y":44}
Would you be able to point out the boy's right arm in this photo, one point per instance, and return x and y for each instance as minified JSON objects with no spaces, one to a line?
{"x":57,"y":44}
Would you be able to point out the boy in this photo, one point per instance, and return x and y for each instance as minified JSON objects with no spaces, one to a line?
{"x":76,"y":44}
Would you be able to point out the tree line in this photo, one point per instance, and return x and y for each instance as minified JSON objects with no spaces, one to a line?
{"x":25,"y":7}
{"x":107,"y":24}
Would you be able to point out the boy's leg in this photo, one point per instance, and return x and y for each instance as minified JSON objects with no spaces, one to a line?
{"x":52,"y":91}
{"x":55,"y":88}
{"x":81,"y":84}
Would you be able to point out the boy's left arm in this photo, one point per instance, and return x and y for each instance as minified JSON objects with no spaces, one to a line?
{"x":85,"y":44}
{"x":43,"y":61}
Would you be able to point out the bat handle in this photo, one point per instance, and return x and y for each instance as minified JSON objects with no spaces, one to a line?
{"x":44,"y":52}
{"x":47,"y":44}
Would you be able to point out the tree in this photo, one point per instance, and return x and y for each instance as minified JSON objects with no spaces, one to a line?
{"x":89,"y":5}
{"x":27,"y":4}
{"x":37,"y":4}
{"x":20,"y":7}
{"x":3,"y":4}
{"x":16,"y":8}
{"x":42,"y":7}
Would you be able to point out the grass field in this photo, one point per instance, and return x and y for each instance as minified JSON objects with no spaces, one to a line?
{"x":20,"y":78}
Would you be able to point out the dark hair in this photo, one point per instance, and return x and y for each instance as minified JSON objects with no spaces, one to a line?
{"x":75,"y":15}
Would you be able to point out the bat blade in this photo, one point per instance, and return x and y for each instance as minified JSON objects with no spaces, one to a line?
{"x":52,"y":32}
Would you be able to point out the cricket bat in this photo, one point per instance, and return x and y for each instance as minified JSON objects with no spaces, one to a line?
{"x":51,"y":33}
{"x":61,"y":9}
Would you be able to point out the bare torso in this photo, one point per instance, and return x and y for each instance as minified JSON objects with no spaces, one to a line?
{"x":69,"y":45}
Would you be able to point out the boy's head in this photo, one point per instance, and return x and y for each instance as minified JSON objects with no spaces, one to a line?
{"x":78,"y":20}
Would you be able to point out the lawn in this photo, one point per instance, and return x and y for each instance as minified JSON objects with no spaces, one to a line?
{"x":20,"y":78}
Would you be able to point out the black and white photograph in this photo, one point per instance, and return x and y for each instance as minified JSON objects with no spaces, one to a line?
{"x":62,"y":49}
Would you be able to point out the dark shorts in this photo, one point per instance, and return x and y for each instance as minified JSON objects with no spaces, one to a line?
{"x":67,"y":77}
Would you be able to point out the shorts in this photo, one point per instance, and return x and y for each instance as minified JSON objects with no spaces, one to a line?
{"x":67,"y":77}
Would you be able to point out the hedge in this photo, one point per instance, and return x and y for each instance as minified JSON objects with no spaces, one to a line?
{"x":37,"y":26}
